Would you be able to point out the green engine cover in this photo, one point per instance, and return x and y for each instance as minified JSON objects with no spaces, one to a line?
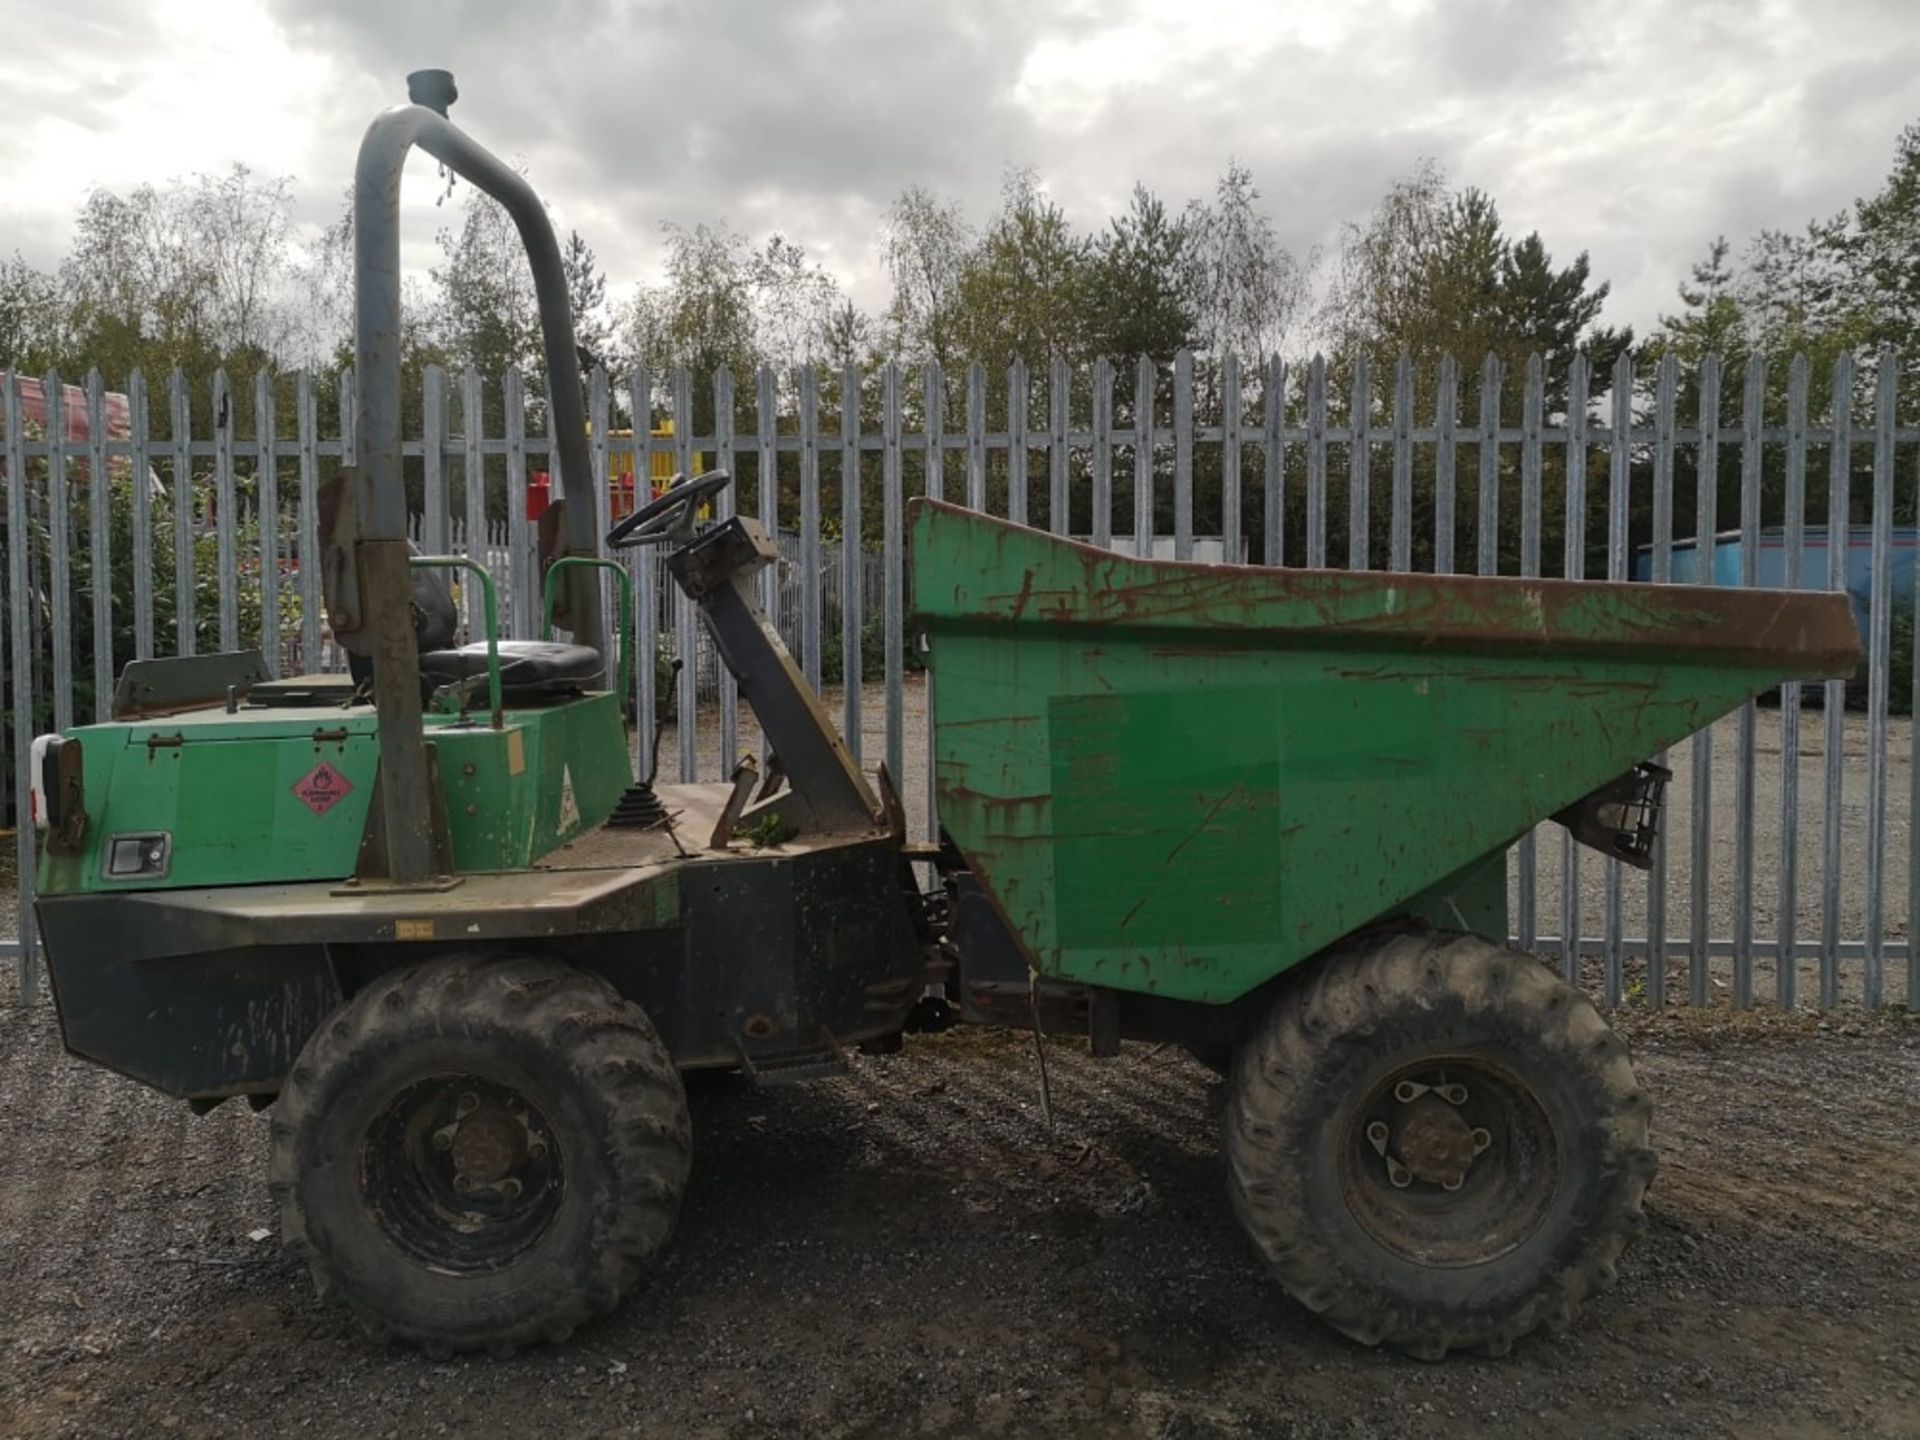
{"x":1184,"y":779}
{"x":281,"y":793}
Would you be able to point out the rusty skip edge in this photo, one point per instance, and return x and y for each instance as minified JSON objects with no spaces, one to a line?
{"x":958,"y":556}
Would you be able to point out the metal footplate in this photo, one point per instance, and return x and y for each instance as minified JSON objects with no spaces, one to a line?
{"x":791,"y":1064}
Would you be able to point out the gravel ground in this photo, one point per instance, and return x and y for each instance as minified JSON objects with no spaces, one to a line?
{"x":908,"y":1250}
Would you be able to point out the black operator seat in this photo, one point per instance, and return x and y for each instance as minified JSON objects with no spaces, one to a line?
{"x":528,"y":668}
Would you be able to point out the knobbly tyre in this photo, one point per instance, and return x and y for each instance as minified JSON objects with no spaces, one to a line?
{"x":462,"y":955}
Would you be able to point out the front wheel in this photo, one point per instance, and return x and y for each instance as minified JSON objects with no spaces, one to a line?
{"x":1438,"y":1145}
{"x":480,"y":1152}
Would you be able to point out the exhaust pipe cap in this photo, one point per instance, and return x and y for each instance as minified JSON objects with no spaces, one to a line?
{"x":432,"y":88}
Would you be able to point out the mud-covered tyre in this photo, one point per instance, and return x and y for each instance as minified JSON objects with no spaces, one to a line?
{"x":480,"y":1152}
{"x":1438,"y":1145}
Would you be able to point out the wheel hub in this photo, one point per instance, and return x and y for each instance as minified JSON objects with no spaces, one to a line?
{"x":1435,"y":1143}
{"x":1452,"y":1161}
{"x":487,"y":1145}
{"x":461,"y":1172}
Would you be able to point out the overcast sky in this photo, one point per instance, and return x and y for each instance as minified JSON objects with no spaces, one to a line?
{"x":1636,"y":130}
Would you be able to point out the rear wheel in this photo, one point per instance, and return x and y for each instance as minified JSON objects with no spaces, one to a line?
{"x":1438,"y":1145}
{"x":480,"y":1152}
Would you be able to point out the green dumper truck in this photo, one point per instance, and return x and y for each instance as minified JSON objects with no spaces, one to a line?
{"x":433,"y":923}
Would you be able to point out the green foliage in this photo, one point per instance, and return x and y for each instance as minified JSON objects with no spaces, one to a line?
{"x":1900,"y":664}
{"x":767,"y":831}
{"x":1140,"y":298}
{"x":1433,"y":273}
{"x":122,"y":581}
{"x":1022,"y":289}
{"x":873,"y":653}
{"x":1883,"y":248}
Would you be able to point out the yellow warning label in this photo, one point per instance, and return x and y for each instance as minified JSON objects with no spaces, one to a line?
{"x":413,"y":929}
{"x":516,"y":752}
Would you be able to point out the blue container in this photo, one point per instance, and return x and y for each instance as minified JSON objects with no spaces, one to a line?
{"x":1770,"y":563}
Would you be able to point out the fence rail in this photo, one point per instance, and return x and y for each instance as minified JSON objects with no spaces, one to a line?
{"x":204,"y":528}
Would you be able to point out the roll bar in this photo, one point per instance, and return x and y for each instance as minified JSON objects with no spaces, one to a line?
{"x":376,"y":245}
{"x":380,"y":497}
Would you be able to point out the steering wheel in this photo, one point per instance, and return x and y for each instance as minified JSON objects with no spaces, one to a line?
{"x":671,"y":516}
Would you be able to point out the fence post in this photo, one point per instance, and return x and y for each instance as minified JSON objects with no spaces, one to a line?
{"x":686,"y":622}
{"x":1706,"y":524}
{"x":850,"y":567}
{"x":60,"y":551}
{"x":935,"y":482}
{"x":726,"y":506}
{"x":1787,"y":949}
{"x":1059,"y":403}
{"x":1400,"y":517}
{"x":307,"y":418}
{"x":1574,"y":560}
{"x":1230,"y":459}
{"x":18,"y":613}
{"x":523,"y":618}
{"x":977,"y":436}
{"x":1016,"y":444}
{"x":1359,"y":470}
{"x":100,"y":545}
{"x":180,"y":413}
{"x":1145,"y":379}
{"x":266,"y":480}
{"x":767,"y":472}
{"x":1102,"y":528}
{"x":1317,"y":464}
{"x":1879,"y":621}
{"x":1273,"y":415}
{"x":1619,"y":476}
{"x":1531,"y":404}
{"x":225,"y":511}
{"x":810,"y":526}
{"x":646,"y":592}
{"x":433,"y":461}
{"x":1665,"y":388}
{"x":893,"y":555}
{"x":1183,"y":455}
{"x":1486,"y":534}
{"x":142,"y":472}
{"x":1446,"y":409}
{"x":473,"y":472}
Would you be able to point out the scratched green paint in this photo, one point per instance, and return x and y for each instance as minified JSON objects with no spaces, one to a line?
{"x":1178,"y":785}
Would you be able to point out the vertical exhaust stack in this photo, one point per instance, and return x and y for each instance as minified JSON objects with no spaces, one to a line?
{"x":377,"y":592}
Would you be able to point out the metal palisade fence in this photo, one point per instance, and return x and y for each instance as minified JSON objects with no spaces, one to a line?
{"x":1780,"y":876}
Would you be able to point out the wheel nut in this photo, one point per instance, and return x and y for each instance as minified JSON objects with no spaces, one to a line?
{"x":509,"y":1188}
{"x":469,"y":1103}
{"x":1481,"y":1140}
{"x":1452,"y":1094}
{"x":536,"y":1149}
{"x":461,"y":1184}
{"x":443,"y":1139}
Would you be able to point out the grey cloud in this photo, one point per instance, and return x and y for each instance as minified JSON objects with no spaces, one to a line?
{"x":1480,"y":46}
{"x":784,"y":116}
{"x":1635,"y":131}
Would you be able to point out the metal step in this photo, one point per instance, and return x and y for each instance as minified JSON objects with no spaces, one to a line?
{"x":790,"y":1067}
